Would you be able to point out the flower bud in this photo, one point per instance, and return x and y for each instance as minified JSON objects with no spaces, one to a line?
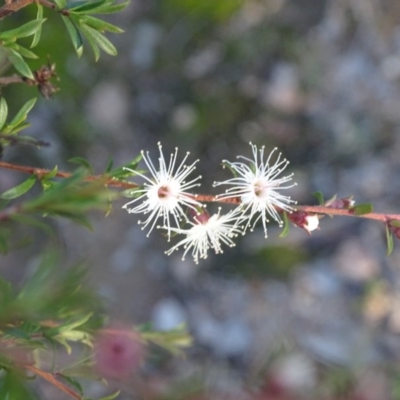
{"x":340,"y":204}
{"x":118,"y":353}
{"x":305,"y":220}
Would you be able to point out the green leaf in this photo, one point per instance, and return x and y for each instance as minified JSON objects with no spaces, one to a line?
{"x":61,"y":3}
{"x":389,"y":240}
{"x":99,"y":39}
{"x":23,"y":51}
{"x":98,"y":7}
{"x":11,"y":130}
{"x":111,"y":396}
{"x":23,"y":113}
{"x":83,"y":163}
{"x":19,"y":64}
{"x":3,"y":112}
{"x":39,"y":16}
{"x":109,"y":165}
{"x":320,"y":197}
{"x":125,"y":170}
{"x":100,"y":25}
{"x":108,"y":8}
{"x":74,"y":34}
{"x":88,"y":6}
{"x":286,"y":226}
{"x":28,"y":29}
{"x":19,"y":190}
{"x":361,"y":209}
{"x":51,"y":174}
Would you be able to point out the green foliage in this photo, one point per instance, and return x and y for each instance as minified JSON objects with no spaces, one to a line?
{"x":361,"y":209}
{"x":54,"y":310}
{"x":389,"y":240}
{"x":286,"y":225}
{"x":16,"y":52}
{"x":81,"y":24}
{"x":174,"y":340}
{"x":8,"y":131}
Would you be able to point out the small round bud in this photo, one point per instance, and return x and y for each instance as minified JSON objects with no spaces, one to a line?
{"x":118,"y":353}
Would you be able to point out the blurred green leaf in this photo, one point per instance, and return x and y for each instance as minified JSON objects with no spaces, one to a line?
{"x":19,"y":64}
{"x":389,"y":240}
{"x":23,"y":51}
{"x":99,"y":7}
{"x":320,"y":197}
{"x":74,"y":34}
{"x":100,"y":25}
{"x":173,"y":340}
{"x":61,"y":3}
{"x":27,"y":29}
{"x":111,"y":396}
{"x":125,"y":170}
{"x":3,"y":112}
{"x":83,"y":163}
{"x":22,"y":113}
{"x":39,"y":16}
{"x":19,"y":190}
{"x":100,"y":40}
{"x":361,"y":209}
{"x":286,"y":226}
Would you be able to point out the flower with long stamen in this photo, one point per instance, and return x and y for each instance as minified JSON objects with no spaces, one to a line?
{"x":165,"y":194}
{"x":257,"y":185}
{"x":208,"y":232}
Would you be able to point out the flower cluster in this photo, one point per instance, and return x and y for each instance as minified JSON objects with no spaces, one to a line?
{"x":256,"y":188}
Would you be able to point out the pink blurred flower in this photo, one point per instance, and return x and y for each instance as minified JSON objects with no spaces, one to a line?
{"x":118,"y":353}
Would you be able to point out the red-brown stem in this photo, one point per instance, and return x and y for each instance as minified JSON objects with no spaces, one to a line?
{"x":322,"y":210}
{"x":205,"y":198}
{"x":7,"y":80}
{"x":49,"y":377}
{"x":13,"y":6}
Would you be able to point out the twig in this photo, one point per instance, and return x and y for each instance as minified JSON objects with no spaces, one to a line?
{"x":321,"y":210}
{"x":51,"y":379}
{"x":13,"y":6}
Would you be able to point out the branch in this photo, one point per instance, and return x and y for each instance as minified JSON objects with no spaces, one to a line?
{"x":205,"y":198}
{"x":13,"y":6}
{"x":51,"y":379}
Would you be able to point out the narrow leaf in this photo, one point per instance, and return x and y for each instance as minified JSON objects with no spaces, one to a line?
{"x":111,"y":396}
{"x":361,"y":209}
{"x":82,"y":162}
{"x":22,"y":113}
{"x":39,"y":16}
{"x":19,"y":190}
{"x":286,"y":226}
{"x":88,"y":6}
{"x":61,"y":3}
{"x":389,"y":240}
{"x":28,"y":29}
{"x":11,"y":130}
{"x":74,"y":34}
{"x":19,"y":64}
{"x":100,"y":25}
{"x":110,"y":9}
{"x":320,"y":197}
{"x":99,"y":39}
{"x":3,"y":112}
{"x":23,"y":51}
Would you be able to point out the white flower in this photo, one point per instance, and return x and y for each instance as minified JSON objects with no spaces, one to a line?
{"x":311,"y":223}
{"x":208,"y":232}
{"x":258,"y":187}
{"x":165,"y":194}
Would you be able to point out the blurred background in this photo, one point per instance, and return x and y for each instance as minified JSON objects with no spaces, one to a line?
{"x":299,"y":317}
